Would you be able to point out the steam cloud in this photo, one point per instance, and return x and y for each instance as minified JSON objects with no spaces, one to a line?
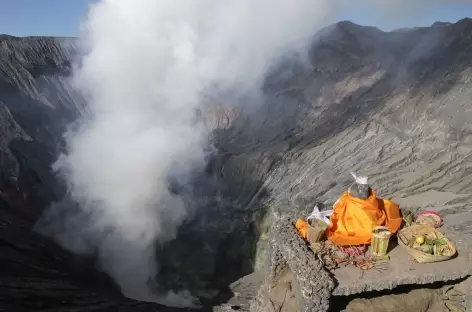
{"x":146,"y":65}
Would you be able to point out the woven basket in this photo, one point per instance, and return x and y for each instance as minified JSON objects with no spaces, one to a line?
{"x":407,"y":233}
{"x":428,"y":217}
{"x":315,"y":230}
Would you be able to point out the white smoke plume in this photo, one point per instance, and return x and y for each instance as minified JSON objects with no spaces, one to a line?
{"x":146,"y":65}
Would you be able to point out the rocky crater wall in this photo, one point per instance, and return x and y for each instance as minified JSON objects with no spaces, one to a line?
{"x":392,"y":105}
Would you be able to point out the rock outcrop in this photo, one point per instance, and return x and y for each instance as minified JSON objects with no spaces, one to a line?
{"x":311,"y":283}
{"x":392,"y":105}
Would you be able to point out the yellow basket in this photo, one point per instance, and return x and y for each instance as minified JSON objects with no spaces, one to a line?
{"x":404,"y":236}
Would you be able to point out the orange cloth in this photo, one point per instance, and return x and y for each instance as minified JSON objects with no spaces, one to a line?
{"x":301,"y":226}
{"x":353,"y":219}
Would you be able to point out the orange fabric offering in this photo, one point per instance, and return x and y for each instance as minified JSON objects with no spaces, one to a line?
{"x":301,"y":226}
{"x":353,"y":219}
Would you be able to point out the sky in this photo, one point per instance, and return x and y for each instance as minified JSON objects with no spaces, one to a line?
{"x":62,"y":17}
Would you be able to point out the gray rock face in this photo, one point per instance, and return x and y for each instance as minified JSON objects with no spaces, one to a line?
{"x":394,"y":106}
{"x":369,"y":104}
{"x":389,"y":105}
{"x":37,"y":103}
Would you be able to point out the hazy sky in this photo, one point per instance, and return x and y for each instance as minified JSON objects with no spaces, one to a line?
{"x":62,"y":17}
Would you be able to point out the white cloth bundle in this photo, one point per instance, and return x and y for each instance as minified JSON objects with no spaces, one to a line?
{"x":320,"y":215}
{"x":359,"y":179}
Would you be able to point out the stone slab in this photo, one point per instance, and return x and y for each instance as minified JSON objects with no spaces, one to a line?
{"x":403,"y":270}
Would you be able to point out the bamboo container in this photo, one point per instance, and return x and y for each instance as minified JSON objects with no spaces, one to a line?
{"x":380,"y":239}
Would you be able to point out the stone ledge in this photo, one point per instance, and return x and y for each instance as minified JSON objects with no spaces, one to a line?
{"x":402,"y":270}
{"x":315,"y":285}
